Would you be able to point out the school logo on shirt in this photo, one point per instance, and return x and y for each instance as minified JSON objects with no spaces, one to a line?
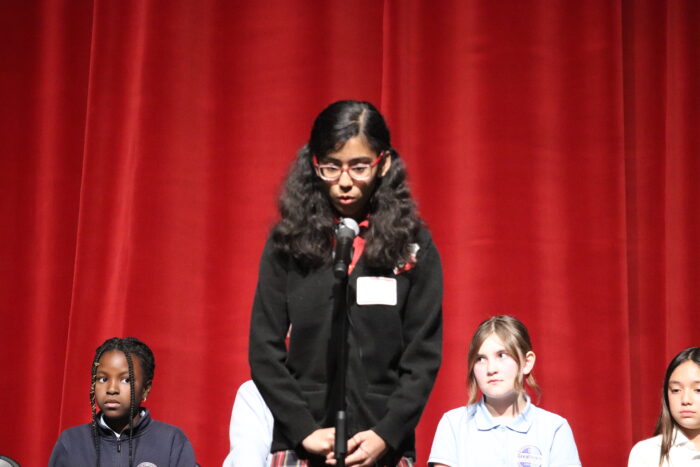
{"x":529,"y":456}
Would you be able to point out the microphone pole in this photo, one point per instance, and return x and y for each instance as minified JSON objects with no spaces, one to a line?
{"x":346,"y":232}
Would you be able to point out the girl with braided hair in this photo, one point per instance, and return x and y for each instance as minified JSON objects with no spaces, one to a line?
{"x":348,"y":169}
{"x":122,"y":377}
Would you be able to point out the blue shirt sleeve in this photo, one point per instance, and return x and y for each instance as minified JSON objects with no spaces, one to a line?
{"x":250,"y":431}
{"x":564,"y":452}
{"x":444,"y":449}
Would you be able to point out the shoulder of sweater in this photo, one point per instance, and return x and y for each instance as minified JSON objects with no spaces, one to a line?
{"x":163,"y":428}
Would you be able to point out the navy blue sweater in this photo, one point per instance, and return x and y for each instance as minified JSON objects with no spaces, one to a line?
{"x":153,"y":441}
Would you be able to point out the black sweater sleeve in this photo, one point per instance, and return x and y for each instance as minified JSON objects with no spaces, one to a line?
{"x":267,"y":352}
{"x":419,"y":363}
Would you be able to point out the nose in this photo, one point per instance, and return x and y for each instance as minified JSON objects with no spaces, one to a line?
{"x":491,"y":367}
{"x":345,"y":180}
{"x":686,"y":398}
{"x":113,"y":386}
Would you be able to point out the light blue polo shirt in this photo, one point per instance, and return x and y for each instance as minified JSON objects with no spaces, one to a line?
{"x":470,"y":437}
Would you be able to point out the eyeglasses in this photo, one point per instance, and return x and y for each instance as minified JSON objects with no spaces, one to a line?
{"x":358,"y":172}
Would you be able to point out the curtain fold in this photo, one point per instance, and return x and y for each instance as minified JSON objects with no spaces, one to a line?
{"x":552,"y":147}
{"x":661,"y":147}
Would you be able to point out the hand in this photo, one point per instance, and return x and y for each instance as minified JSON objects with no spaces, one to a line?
{"x":364,"y":449}
{"x":320,"y":441}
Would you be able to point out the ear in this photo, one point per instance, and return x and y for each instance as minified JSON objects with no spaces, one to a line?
{"x":386,"y":163}
{"x":146,"y":391}
{"x":529,"y":362}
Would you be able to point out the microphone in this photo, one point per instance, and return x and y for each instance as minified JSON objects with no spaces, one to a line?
{"x":345,"y":232}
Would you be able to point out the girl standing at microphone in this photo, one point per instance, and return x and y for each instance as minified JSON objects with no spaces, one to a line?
{"x":347,"y":169}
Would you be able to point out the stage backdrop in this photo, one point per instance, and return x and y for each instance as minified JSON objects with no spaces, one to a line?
{"x":553,"y":147}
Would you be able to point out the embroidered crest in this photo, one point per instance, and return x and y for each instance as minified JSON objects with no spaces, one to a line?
{"x":529,"y":456}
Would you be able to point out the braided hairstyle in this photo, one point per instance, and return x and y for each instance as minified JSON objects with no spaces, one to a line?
{"x":129,"y":346}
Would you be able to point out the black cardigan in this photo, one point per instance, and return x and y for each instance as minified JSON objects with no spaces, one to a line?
{"x":394,"y":351}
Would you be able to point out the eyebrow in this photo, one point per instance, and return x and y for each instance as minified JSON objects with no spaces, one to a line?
{"x":697,"y":381}
{"x":104,"y":373}
{"x":355,"y":160}
{"x":504,"y":350}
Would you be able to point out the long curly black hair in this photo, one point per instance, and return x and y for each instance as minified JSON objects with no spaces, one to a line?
{"x":305,"y":230}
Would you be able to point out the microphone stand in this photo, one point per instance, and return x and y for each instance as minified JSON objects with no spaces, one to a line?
{"x":340,"y":310}
{"x":345,"y":233}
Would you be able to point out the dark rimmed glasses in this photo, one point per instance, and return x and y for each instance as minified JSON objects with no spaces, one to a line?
{"x":358,"y":172}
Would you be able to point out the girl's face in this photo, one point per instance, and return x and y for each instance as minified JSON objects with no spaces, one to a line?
{"x":496,"y":370}
{"x":684,"y":395}
{"x":112,"y":388}
{"x":348,"y":196}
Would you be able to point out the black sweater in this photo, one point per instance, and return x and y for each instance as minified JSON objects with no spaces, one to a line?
{"x":394,"y":351}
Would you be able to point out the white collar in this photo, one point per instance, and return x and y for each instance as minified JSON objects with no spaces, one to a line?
{"x":103,"y":424}
{"x":521,"y":423}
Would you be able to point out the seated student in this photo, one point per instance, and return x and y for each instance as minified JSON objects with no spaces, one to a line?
{"x":676,"y":440}
{"x":122,"y":433}
{"x":250,"y":431}
{"x":503,"y":427}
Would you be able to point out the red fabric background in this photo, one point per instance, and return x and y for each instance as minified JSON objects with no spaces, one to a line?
{"x":552,"y":147}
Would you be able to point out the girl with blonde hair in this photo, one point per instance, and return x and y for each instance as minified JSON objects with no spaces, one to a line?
{"x":502,"y":427}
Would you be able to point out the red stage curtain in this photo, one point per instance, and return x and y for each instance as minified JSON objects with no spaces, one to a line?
{"x":552,"y":146}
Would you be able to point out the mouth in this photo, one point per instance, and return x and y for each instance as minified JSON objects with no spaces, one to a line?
{"x":112,"y":404}
{"x":345,"y":200}
{"x":493,"y":381}
{"x":687,"y":413}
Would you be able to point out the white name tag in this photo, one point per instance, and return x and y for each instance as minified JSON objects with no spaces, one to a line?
{"x":376,"y":291}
